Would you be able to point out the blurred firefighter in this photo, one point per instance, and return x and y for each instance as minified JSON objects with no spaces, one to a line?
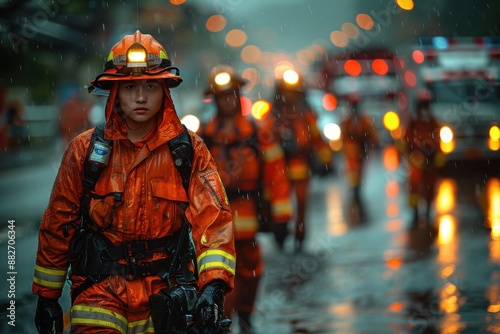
{"x":250,"y":164}
{"x":74,"y":118}
{"x":359,"y":136}
{"x":16,"y":120}
{"x":138,"y":211}
{"x":294,"y":124}
{"x":424,"y":156}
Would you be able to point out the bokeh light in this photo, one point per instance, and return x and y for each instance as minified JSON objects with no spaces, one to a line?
{"x":251,"y":54}
{"x":350,"y":30}
{"x":338,"y":38}
{"x":364,"y":21}
{"x":329,"y":101}
{"x":418,"y":56}
{"x":380,"y":67}
{"x":260,"y":109}
{"x":352,"y":67}
{"x":236,"y":38}
{"x":216,"y":23}
{"x":405,"y":4}
{"x":410,"y":78}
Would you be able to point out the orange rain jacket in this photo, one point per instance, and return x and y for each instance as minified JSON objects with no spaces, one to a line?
{"x":299,"y":127}
{"x":152,"y":190}
{"x":241,"y":169}
{"x":423,"y":151}
{"x":358,"y":136}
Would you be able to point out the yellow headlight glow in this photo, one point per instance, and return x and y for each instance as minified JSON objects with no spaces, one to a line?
{"x":446,"y":134}
{"x":494,"y":132}
{"x":222,"y":78}
{"x":137,"y":56}
{"x":291,"y":77}
{"x":391,"y":120}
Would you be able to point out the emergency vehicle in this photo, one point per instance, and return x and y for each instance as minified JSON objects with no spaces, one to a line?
{"x":462,"y":76}
{"x":371,"y":74}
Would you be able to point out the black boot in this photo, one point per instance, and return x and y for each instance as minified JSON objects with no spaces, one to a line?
{"x":280,"y":234}
{"x":414,"y":221}
{"x":356,"y":194}
{"x":428,"y":213}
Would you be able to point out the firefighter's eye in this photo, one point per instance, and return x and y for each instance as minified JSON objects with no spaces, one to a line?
{"x":152,"y":86}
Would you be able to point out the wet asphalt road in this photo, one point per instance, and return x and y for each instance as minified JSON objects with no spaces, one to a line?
{"x":374,"y":273}
{"x":362,"y":269}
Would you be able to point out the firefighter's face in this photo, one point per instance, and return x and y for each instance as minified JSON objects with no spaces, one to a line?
{"x":140,"y":100}
{"x":228,"y":103}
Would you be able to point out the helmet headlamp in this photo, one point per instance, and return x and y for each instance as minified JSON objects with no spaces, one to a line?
{"x":291,"y":77}
{"x":137,"y":56}
{"x":136,"y":60}
{"x":222,"y":79}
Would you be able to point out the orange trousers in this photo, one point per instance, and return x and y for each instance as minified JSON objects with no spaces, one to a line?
{"x":422,"y":185}
{"x":115,"y":305}
{"x":249,"y":268}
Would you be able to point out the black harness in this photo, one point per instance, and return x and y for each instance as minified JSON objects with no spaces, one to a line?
{"x":93,"y":255}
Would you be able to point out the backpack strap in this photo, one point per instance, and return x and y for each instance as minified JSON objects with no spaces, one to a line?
{"x":182,"y":152}
{"x":91,"y":173}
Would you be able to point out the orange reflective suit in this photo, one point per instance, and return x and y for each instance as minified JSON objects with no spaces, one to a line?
{"x":358,"y":136}
{"x":151,"y":193}
{"x":423,"y":153}
{"x":247,"y":158}
{"x":297,"y":130}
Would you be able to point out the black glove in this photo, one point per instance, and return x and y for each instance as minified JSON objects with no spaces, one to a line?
{"x":280,"y":233}
{"x":209,"y":308}
{"x":49,"y":316}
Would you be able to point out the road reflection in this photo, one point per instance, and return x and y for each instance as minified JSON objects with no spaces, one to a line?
{"x":385,"y":275}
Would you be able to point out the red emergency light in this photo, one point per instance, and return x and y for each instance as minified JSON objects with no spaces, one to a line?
{"x":352,"y":67}
{"x":418,"y":56}
{"x":380,"y":67}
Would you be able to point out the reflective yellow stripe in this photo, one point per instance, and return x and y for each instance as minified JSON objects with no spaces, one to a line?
{"x":246,"y":224}
{"x":141,"y":326}
{"x":98,"y":316}
{"x":216,"y":258}
{"x":50,"y":278}
{"x":163,"y":55}
{"x":273,"y":152}
{"x":298,"y":172}
{"x":282,"y":208}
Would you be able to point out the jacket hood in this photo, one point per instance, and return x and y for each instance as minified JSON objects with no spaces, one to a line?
{"x":168,"y":125}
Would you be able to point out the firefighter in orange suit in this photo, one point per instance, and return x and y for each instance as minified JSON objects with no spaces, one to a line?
{"x":135,"y":248}
{"x":294,"y":124}
{"x":250,"y":164}
{"x":424,"y":156}
{"x":358,"y":137}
